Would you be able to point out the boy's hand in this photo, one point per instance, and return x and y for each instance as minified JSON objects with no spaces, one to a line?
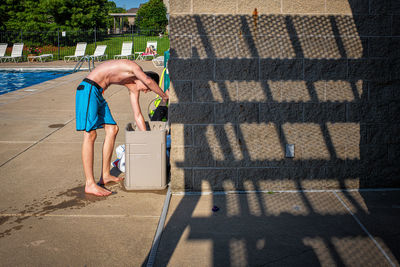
{"x":165,"y":98}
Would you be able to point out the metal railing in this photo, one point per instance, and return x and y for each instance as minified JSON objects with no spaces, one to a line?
{"x":63,"y":43}
{"x":89,"y":60}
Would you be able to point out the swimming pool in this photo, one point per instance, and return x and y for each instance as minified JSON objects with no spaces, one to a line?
{"x":11,"y":80}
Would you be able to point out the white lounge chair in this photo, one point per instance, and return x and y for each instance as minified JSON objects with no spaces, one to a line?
{"x":126,"y":50}
{"x":16,"y":53}
{"x":158,"y":62}
{"x":40,"y":58}
{"x":99,"y":52}
{"x":79,"y":52}
{"x":143,"y":55}
{"x":3,"y":48}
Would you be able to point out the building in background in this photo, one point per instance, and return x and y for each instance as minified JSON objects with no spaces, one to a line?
{"x":119,"y":25}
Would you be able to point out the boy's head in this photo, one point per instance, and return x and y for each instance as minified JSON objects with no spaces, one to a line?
{"x":154,"y":76}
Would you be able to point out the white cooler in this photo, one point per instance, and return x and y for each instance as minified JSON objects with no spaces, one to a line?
{"x":145,"y":156}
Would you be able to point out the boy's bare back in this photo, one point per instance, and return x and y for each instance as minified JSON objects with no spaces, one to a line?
{"x":114,"y":72}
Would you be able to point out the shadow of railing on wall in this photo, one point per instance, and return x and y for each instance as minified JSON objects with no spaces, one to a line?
{"x":240,"y":98}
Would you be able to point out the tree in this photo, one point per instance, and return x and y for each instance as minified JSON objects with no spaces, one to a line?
{"x":39,"y":20}
{"x":152,"y":15}
{"x":47,"y":15}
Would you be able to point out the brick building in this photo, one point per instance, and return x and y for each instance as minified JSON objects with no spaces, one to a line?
{"x":250,"y":77}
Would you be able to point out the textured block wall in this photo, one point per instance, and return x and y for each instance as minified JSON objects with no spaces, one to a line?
{"x":322,"y":75}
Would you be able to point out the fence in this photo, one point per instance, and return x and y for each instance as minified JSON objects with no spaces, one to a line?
{"x":63,"y":43}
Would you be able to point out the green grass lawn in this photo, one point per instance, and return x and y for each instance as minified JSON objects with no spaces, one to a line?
{"x":114,"y":44}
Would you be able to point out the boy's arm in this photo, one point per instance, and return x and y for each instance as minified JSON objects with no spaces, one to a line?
{"x":153,"y":86}
{"x":137,"y":113}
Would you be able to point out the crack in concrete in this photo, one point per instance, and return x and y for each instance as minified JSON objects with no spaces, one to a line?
{"x":35,"y":143}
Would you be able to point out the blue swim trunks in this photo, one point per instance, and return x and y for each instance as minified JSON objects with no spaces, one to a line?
{"x":91,"y":109}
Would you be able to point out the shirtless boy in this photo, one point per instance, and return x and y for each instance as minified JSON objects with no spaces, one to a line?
{"x":92,"y":112}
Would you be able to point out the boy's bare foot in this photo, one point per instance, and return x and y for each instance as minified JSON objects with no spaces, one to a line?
{"x":96,"y":190}
{"x":110,"y":178}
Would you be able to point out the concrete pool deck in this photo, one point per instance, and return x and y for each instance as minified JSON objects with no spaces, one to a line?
{"x":46,"y":219}
{"x":45,"y":216}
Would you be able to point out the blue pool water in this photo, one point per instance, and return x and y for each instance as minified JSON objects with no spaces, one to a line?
{"x":15,"y":80}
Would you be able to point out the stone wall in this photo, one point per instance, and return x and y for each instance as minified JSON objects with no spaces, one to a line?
{"x":322,"y":75}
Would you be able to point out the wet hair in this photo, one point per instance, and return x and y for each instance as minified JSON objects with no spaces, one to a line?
{"x":153,"y":76}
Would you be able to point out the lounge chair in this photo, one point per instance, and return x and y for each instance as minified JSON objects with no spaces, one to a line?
{"x":16,"y":53}
{"x":99,"y":52}
{"x":79,"y":52}
{"x":158,"y":62}
{"x":40,"y":58}
{"x":3,"y":48}
{"x":152,"y":46}
{"x":126,"y":50}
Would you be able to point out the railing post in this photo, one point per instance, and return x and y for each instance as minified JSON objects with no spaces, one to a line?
{"x":58,"y":43}
{"x":133,"y":42}
{"x":95,"y":37}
